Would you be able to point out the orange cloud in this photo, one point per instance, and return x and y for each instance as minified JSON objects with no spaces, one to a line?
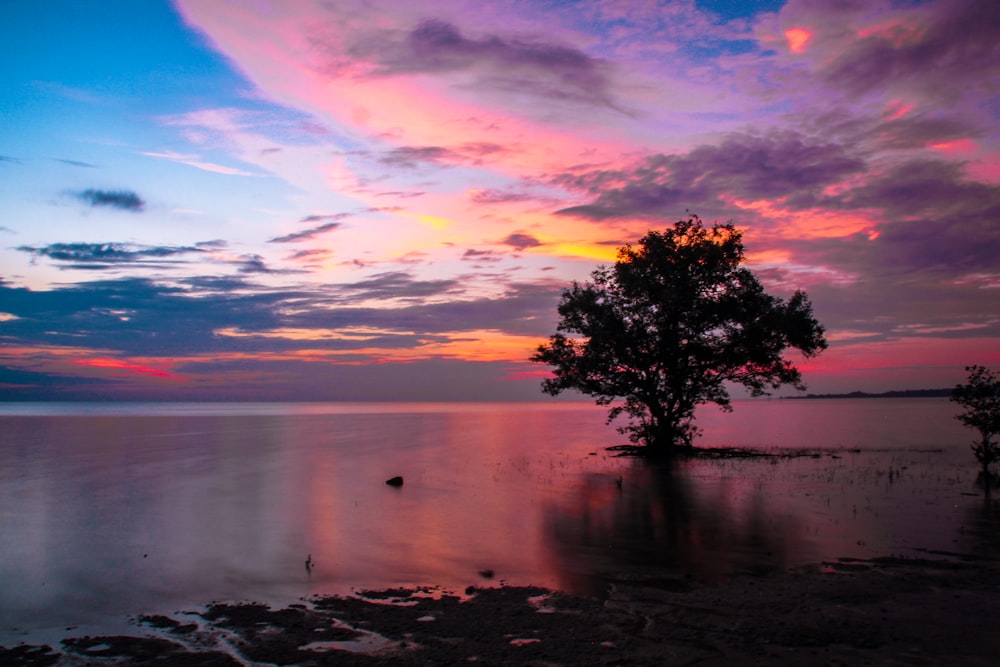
{"x":478,"y":345}
{"x":481,"y":345}
{"x":583,"y":250}
{"x":798,"y":39}
{"x":810,"y":223}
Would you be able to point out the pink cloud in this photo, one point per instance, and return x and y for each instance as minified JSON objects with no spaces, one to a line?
{"x":846,"y":140}
{"x":957,"y":147}
{"x":130,"y":367}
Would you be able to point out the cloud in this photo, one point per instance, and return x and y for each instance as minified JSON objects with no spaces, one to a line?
{"x":896,"y":126}
{"x":77,"y":163}
{"x":208,"y":285}
{"x":929,"y":250}
{"x":21,"y":384}
{"x":125,"y":200}
{"x":399,"y":285}
{"x":134,"y":315}
{"x":521,"y":241}
{"x":401,"y":194}
{"x":473,"y":255}
{"x":481,"y":149}
{"x":742,"y":166}
{"x":214,"y":244}
{"x":412,"y":157}
{"x":314,"y":254}
{"x":921,"y":188}
{"x":953,"y":48}
{"x":194,"y":161}
{"x":501,"y":115}
{"x":254,"y":263}
{"x":106,"y":255}
{"x":306,"y":234}
{"x":491,"y":196}
{"x":922,"y":130}
{"x":141,"y":317}
{"x":510,"y":65}
{"x":321,"y":217}
{"x":522,"y":309}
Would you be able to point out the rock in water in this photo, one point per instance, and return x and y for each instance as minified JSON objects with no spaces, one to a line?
{"x":395,"y":481}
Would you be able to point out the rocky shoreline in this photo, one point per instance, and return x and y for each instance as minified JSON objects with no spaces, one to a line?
{"x":888,"y":611}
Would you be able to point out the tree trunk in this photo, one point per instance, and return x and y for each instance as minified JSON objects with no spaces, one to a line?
{"x":666,"y":438}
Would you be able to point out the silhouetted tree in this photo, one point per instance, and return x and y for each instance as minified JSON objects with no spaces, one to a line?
{"x":668,"y":325}
{"x":980,"y":397}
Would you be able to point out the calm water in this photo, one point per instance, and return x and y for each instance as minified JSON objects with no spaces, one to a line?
{"x":112,"y":510}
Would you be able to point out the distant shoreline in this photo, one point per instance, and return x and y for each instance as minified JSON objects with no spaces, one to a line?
{"x":904,"y":393}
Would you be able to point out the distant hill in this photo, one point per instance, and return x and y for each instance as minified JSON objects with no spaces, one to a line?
{"x":904,"y":393}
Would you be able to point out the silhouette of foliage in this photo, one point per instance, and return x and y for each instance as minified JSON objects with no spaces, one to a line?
{"x":980,"y":397}
{"x":666,"y":327}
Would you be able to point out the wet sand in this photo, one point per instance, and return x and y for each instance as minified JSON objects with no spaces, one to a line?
{"x":888,"y":611}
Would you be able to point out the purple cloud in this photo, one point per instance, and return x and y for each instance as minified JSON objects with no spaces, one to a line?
{"x":490,"y":196}
{"x":106,"y":255}
{"x":185,"y":318}
{"x":473,"y":255}
{"x":411,"y":157}
{"x":306,"y":234}
{"x":125,"y":200}
{"x":398,"y":284}
{"x":510,"y":65}
{"x":314,"y":254}
{"x":743,"y":166}
{"x":957,"y":49}
{"x":254,"y":263}
{"x":920,"y":130}
{"x":521,"y":241}
{"x":922,"y":188}
{"x":77,"y":163}
{"x":328,"y":217}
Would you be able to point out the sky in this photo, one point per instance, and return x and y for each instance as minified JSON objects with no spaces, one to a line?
{"x":383,"y":200}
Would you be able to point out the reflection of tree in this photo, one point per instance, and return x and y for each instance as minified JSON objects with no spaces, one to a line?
{"x":980,"y":534}
{"x":661,"y":520}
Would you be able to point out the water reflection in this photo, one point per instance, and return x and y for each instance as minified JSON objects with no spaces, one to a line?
{"x":116,"y":514}
{"x":658,"y":519}
{"x":980,"y":531}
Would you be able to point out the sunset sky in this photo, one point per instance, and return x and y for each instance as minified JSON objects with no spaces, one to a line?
{"x":365,"y":200}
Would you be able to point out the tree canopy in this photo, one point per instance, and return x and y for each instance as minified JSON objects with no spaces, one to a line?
{"x":664,"y":329}
{"x":980,"y":397}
